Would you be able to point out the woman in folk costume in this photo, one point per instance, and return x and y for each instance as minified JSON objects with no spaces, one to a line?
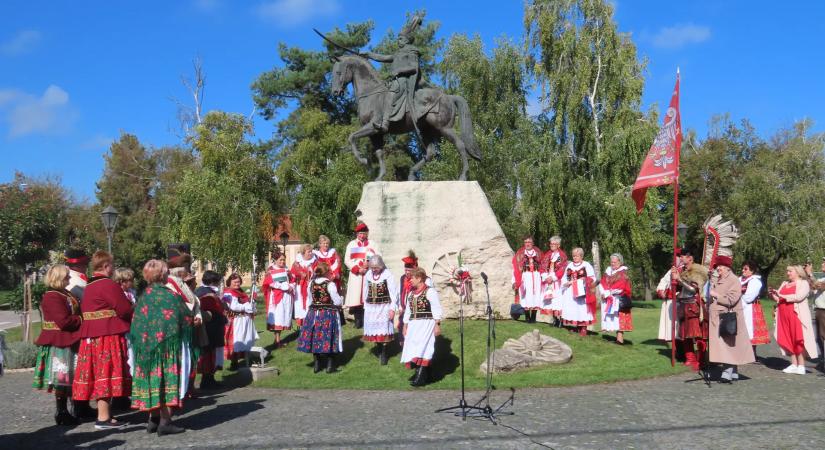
{"x":553,"y":264}
{"x":58,"y":342}
{"x":214,"y":322}
{"x":278,"y":296}
{"x":751,"y":286}
{"x":125,"y":278}
{"x":241,"y":320}
{"x":726,"y":296}
{"x":102,"y":370}
{"x":380,"y":306}
{"x":422,"y":324}
{"x":161,"y":328}
{"x":356,"y":256}
{"x":526,"y":279}
{"x":326,"y":254}
{"x":301,"y":273}
{"x":405,"y":287}
{"x":793,"y":329}
{"x":578,"y":284}
{"x":321,"y":331}
{"x":181,"y":283}
{"x":615,"y":285}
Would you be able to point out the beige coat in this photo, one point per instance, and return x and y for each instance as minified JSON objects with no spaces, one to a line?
{"x":729,"y":349}
{"x":803,"y":311}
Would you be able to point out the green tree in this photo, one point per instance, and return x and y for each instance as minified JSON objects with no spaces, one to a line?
{"x":225,"y":206}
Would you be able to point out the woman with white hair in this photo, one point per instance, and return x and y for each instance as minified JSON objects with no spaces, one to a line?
{"x":578,"y":283}
{"x":616,"y":290}
{"x":380,"y":296}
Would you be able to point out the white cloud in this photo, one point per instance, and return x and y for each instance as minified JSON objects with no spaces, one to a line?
{"x":680,"y":35}
{"x":288,"y":13}
{"x":23,"y":42}
{"x":97,"y":142}
{"x":26,"y":113}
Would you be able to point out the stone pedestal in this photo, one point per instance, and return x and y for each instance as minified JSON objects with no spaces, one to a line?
{"x":439,"y":220}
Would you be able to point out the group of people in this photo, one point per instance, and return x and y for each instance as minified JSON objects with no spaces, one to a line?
{"x":719,"y":317}
{"x":568,"y":291}
{"x":310,"y":293}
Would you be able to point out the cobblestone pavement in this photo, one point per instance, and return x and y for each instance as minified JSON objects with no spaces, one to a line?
{"x":767,"y":409}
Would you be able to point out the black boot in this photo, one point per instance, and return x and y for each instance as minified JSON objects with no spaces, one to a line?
{"x":420,"y":377}
{"x":359,"y":318}
{"x":382,"y":357}
{"x":61,"y":415}
{"x":330,"y":363}
{"x":316,"y":363}
{"x":82,"y":410}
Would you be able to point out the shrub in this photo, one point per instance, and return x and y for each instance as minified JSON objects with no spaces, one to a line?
{"x":19,"y":355}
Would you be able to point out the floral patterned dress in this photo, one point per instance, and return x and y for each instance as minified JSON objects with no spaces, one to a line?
{"x":160,"y":327}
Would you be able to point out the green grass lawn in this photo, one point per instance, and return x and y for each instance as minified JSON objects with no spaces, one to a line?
{"x":596,"y":359}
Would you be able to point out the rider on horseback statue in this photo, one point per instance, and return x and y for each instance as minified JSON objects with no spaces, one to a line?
{"x":405,"y":76}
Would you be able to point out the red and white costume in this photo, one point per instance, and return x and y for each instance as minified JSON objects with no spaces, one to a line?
{"x":333,"y":260}
{"x":579,"y":308}
{"x":356,"y":258}
{"x":421,"y":315}
{"x":664,"y":292}
{"x":754,"y":317}
{"x":301,"y":273}
{"x":279,"y":299}
{"x":615,"y":284}
{"x":241,"y":333}
{"x":527,"y":278}
{"x":553,"y":265}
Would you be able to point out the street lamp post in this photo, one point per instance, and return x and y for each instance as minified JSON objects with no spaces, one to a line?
{"x":109,"y":216}
{"x":681,"y":229}
{"x":284,"y":238}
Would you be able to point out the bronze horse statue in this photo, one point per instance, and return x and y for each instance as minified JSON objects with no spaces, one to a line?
{"x":436,"y":119}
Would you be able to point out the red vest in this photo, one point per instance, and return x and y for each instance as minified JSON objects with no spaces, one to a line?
{"x":106,"y":310}
{"x":61,"y":319}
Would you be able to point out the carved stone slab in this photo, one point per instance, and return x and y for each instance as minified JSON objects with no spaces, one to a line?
{"x":530,"y":350}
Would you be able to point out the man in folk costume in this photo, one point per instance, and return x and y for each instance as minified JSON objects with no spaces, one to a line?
{"x":527,"y":279}
{"x":422,"y":324}
{"x":78,"y":263}
{"x":102,"y":369}
{"x":356,"y":258}
{"x":326,"y":254}
{"x":301,"y":273}
{"x":688,"y":283}
{"x":177,"y":283}
{"x":380,"y":306}
{"x":553,"y":263}
{"x":578,"y":287}
{"x":278,"y":292}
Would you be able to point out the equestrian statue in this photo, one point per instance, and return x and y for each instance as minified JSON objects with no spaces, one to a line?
{"x":402,"y":105}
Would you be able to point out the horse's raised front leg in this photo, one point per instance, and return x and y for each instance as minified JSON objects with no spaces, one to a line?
{"x":366,"y":130}
{"x":450,"y":134}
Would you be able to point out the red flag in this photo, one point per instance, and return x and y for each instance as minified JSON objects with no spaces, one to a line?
{"x":661,"y":165}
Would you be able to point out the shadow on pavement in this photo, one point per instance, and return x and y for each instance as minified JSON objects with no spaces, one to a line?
{"x":219,"y":414}
{"x":444,"y":361}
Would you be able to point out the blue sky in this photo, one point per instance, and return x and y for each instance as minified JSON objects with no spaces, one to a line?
{"x":73,"y":75}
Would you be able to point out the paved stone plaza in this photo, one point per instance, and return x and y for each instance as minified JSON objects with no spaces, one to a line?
{"x":768,"y":410}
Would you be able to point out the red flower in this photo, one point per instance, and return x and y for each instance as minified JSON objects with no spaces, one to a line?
{"x":167,"y":313}
{"x":144,"y":310}
{"x":145,"y":336}
{"x":159,"y":335}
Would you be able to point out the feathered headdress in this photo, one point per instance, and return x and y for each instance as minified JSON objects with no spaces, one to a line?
{"x":411,"y":26}
{"x":719,"y":239}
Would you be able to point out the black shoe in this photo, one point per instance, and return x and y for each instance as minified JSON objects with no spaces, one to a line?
{"x":62,"y":415}
{"x":109,"y":424}
{"x":382,"y":357}
{"x":316,"y":363}
{"x":82,"y":410}
{"x":169,"y":429}
{"x":420,"y":377}
{"x":330,"y":364}
{"x":152,"y":424}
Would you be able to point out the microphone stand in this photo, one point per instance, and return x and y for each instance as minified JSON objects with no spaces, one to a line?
{"x":487,"y":410}
{"x":463,"y":409}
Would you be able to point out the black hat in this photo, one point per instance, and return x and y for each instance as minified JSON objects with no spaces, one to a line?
{"x":75,"y":256}
{"x":687,"y":251}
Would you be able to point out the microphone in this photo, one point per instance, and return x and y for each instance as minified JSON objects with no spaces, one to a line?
{"x":484,"y":277}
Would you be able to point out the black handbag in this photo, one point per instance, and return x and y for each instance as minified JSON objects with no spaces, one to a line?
{"x":727,"y":324}
{"x":625,"y":302}
{"x":516,"y":311}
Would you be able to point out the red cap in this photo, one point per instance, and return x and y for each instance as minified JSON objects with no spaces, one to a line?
{"x":409,"y":261}
{"x":723,"y":260}
{"x":361,"y":227}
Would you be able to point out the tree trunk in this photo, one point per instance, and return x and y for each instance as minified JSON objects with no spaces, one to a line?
{"x":646,"y":284}
{"x":27,"y":308}
{"x":596,"y":259}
